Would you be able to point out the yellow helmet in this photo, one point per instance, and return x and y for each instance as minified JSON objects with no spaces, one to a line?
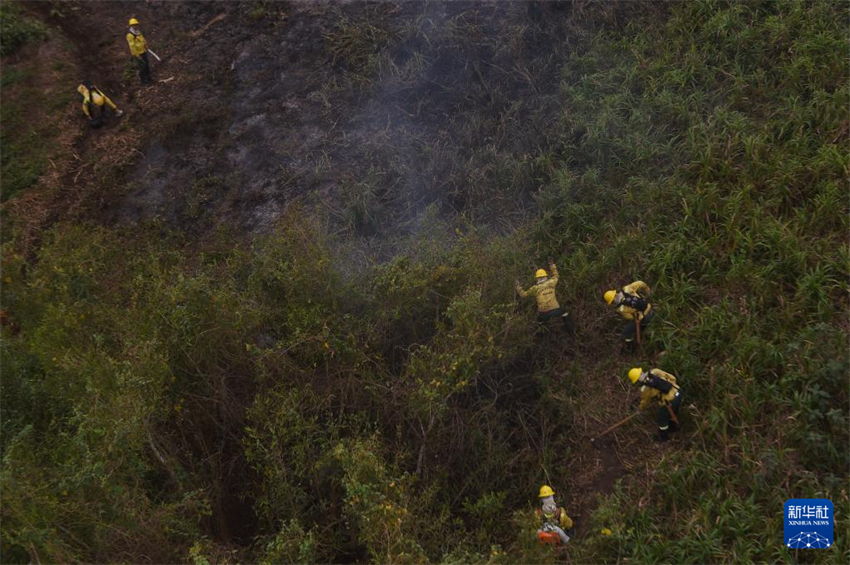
{"x":541,"y":273}
{"x":634,"y":374}
{"x":545,"y":491}
{"x":609,"y":296}
{"x":133,"y":22}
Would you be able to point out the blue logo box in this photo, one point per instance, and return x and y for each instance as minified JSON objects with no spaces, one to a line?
{"x":809,"y":523}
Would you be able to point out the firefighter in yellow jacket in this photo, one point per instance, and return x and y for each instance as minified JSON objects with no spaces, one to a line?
{"x":659,"y":388}
{"x":632,"y":304}
{"x":95,"y":103}
{"x":139,"y":50}
{"x":555,"y":521}
{"x":544,"y":291}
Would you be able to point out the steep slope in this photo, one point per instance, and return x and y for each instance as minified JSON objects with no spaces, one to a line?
{"x":193,"y":372}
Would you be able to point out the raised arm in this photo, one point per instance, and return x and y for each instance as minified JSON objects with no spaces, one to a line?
{"x":519,"y":289}
{"x":637,"y":287}
{"x":553,"y":271}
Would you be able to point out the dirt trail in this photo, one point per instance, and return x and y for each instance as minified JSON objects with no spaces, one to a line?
{"x":600,"y":397}
{"x":88,"y":164}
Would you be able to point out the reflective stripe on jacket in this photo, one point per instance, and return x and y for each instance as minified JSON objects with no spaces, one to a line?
{"x":558,"y":518}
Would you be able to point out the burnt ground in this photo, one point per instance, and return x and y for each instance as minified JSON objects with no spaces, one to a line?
{"x":297,"y":107}
{"x":376,"y":117}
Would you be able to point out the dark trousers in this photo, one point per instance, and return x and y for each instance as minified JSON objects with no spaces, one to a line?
{"x":664,"y":420}
{"x":558,"y":313}
{"x":99,"y":114}
{"x":629,"y":330}
{"x":144,"y":68}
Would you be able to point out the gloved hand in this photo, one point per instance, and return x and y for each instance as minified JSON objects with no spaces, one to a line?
{"x":118,"y":112}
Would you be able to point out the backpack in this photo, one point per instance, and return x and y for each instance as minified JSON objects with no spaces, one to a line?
{"x":635,"y":302}
{"x":660,"y":384}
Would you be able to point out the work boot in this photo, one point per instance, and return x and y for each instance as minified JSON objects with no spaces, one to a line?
{"x":663,"y":435}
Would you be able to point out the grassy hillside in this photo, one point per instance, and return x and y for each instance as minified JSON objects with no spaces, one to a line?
{"x":33,"y":102}
{"x":165,"y":400}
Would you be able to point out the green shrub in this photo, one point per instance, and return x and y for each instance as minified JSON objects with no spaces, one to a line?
{"x":408,"y":411}
{"x":17,"y":29}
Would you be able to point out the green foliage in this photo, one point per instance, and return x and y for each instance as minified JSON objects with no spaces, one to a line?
{"x":287,"y":443}
{"x":29,"y":112}
{"x":24,"y":148}
{"x":362,"y":208}
{"x":462,"y":345}
{"x":724,"y":223}
{"x":375,"y":503}
{"x":17,"y":29}
{"x":156,"y":400}
{"x":291,"y":545}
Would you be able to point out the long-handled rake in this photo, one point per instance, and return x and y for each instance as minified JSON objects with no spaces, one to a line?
{"x":615,"y":426}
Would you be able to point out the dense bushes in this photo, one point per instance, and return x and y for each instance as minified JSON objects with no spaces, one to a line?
{"x":274,"y":403}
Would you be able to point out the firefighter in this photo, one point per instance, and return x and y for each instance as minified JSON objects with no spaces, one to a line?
{"x":632,"y":304}
{"x":544,"y":291}
{"x":95,"y":103}
{"x":658,"y":387}
{"x":554,"y":518}
{"x":139,"y":51}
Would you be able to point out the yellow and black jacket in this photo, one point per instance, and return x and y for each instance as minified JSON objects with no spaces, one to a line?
{"x":650,"y":394}
{"x":558,"y":518}
{"x":633,"y":303}
{"x":93,"y":97}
